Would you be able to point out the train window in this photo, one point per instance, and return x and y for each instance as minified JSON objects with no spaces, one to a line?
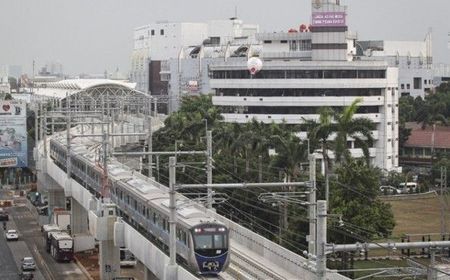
{"x":165,"y":224}
{"x":183,"y":237}
{"x":127,"y":199}
{"x":203,"y":242}
{"x":160,"y":222}
{"x":210,"y":241}
{"x":154,"y":218}
{"x":148,"y":213}
{"x":219,"y":241}
{"x":143,"y":211}
{"x":135,"y":204}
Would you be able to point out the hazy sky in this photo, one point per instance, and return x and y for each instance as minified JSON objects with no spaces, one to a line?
{"x":93,"y":35}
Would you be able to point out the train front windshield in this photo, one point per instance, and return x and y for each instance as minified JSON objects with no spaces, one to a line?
{"x":210,"y":241}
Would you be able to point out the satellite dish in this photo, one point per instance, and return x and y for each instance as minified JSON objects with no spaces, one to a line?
{"x":254,"y":65}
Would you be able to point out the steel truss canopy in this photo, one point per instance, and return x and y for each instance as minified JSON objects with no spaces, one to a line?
{"x":94,"y":93}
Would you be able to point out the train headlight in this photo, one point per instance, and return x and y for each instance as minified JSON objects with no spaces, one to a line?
{"x":197,"y":230}
{"x":222,"y":229}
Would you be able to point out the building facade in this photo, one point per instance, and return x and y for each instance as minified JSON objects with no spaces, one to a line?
{"x":425,"y":144}
{"x":413,"y":59}
{"x":321,"y":64}
{"x":156,"y":44}
{"x":307,"y":70}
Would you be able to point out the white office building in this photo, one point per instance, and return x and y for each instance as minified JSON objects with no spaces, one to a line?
{"x":304,"y":71}
{"x":322,"y":64}
{"x":414,"y":60}
{"x":156,"y":43}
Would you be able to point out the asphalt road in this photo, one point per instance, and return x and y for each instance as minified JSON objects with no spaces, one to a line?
{"x":8,"y":268}
{"x":32,"y":236}
{"x":30,"y":244}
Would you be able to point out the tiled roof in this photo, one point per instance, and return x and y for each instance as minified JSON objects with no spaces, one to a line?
{"x":423,"y":138}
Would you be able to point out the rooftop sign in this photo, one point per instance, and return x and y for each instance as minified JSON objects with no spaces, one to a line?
{"x":328,"y":19}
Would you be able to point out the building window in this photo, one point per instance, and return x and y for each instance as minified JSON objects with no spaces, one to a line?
{"x":267,"y":42}
{"x":283,"y":41}
{"x":293,"y":45}
{"x":161,"y":32}
{"x":417,"y":83}
{"x":408,"y":86}
{"x":153,"y":32}
{"x":425,"y":81}
{"x":403,"y":86}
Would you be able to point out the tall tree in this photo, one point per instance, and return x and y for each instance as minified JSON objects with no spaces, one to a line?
{"x":360,"y":129}
{"x":355,"y":197}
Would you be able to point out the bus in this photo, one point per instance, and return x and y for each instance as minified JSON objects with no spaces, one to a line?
{"x":127,"y":259}
{"x":61,"y":247}
{"x":46,"y":230}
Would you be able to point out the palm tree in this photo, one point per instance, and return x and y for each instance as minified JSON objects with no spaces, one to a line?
{"x":229,"y":142}
{"x":291,"y":151}
{"x":360,"y":129}
{"x":320,"y":132}
{"x":344,"y":125}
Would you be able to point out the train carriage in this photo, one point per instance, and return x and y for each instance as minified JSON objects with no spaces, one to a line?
{"x":202,"y":242}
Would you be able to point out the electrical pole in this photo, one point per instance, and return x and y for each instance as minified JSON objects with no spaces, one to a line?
{"x":443,"y":200}
{"x":150,"y":140}
{"x":36,"y":124}
{"x":209,"y":168}
{"x":41,"y":121}
{"x":68,"y":139}
{"x":260,"y":168}
{"x":44,"y":128}
{"x":172,"y":267}
{"x":312,"y":207}
{"x":321,"y":240}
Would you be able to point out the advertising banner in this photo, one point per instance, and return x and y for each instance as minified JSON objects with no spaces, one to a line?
{"x":13,"y":134}
{"x":331,"y":19}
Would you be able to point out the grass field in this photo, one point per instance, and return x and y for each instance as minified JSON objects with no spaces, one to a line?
{"x":417,"y":216}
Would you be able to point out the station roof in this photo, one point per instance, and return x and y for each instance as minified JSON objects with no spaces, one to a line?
{"x":69,"y":87}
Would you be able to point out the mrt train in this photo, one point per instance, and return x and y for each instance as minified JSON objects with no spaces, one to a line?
{"x":202,"y":242}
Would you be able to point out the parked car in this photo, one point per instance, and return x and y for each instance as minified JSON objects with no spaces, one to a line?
{"x":389,"y":190}
{"x":408,"y":187}
{"x":12,"y":234}
{"x":28,"y":264}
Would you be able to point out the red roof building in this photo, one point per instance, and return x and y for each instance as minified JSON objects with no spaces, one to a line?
{"x":423,"y":141}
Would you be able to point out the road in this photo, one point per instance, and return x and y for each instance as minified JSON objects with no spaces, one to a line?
{"x":31,"y":234}
{"x":24,"y":218}
{"x":30,"y":244}
{"x":9,"y":270}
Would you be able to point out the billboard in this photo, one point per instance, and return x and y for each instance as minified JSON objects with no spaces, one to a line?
{"x":331,"y":19}
{"x":13,"y":134}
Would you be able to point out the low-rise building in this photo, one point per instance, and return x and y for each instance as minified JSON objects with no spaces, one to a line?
{"x":424,"y":143}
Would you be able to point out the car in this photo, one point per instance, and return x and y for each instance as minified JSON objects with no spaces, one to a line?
{"x":12,"y":234}
{"x":389,"y":190}
{"x":408,"y":187}
{"x":4,"y":215}
{"x":26,"y":275}
{"x":28,"y":264}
